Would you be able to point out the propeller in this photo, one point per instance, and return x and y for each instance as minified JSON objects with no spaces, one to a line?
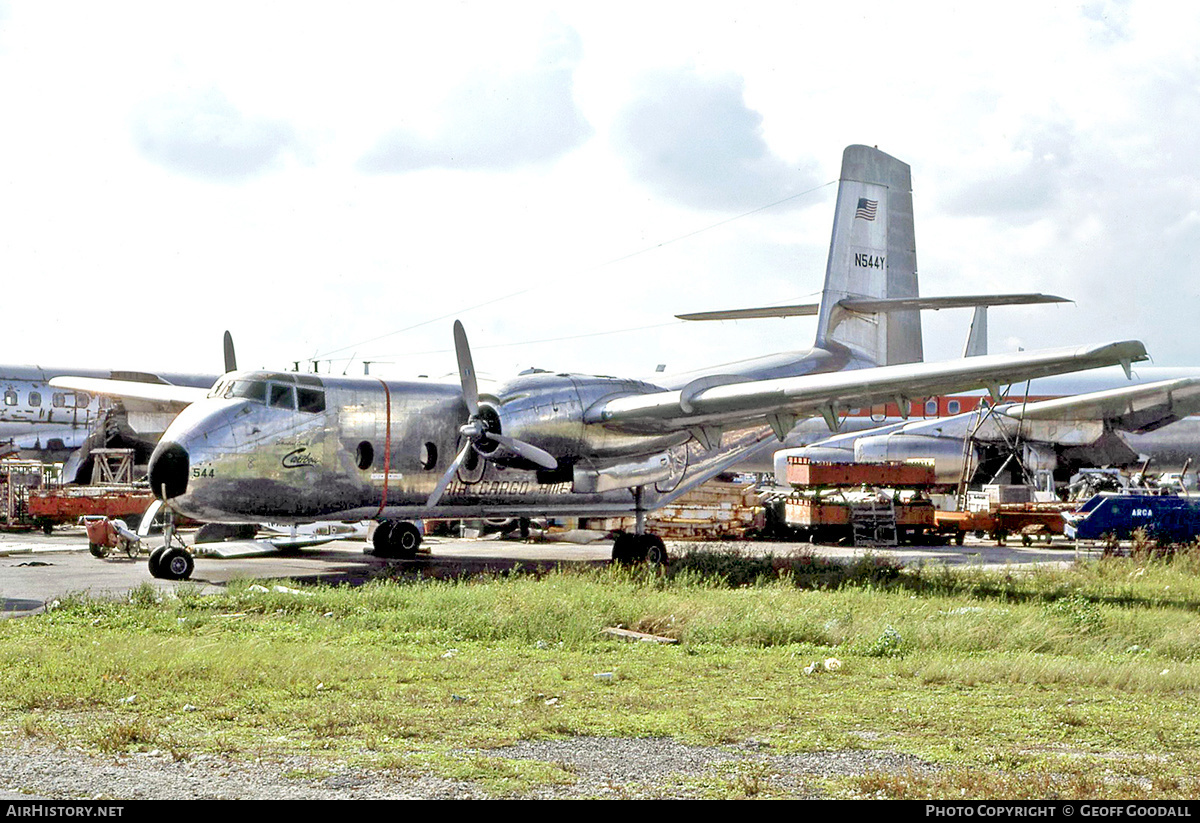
{"x":478,"y":436}
{"x":230,"y":357}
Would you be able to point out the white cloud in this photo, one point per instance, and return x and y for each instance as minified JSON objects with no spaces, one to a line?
{"x":203,"y":135}
{"x":694,"y":140}
{"x":490,"y":123}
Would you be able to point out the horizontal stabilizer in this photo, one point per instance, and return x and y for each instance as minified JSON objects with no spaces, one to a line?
{"x":881,"y":305}
{"x":937,"y":303}
{"x":803,"y":310}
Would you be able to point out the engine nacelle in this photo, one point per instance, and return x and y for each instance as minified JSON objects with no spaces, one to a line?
{"x":547,"y":410}
{"x":947,"y":453}
{"x":624,"y":475}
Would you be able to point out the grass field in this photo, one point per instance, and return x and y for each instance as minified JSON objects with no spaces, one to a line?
{"x":1075,"y":683}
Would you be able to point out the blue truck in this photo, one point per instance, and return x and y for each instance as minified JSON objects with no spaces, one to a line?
{"x":1167,"y":518}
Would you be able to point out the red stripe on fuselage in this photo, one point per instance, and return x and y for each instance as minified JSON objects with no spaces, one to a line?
{"x":387,"y":448}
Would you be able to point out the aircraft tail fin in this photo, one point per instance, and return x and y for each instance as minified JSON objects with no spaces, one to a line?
{"x":977,"y":336}
{"x":872,"y":256}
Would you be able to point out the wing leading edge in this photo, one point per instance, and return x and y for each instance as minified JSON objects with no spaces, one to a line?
{"x":767,"y":400}
{"x":156,"y":396}
{"x":1140,"y":408}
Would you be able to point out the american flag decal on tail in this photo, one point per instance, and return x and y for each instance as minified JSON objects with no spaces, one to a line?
{"x":866,"y":209}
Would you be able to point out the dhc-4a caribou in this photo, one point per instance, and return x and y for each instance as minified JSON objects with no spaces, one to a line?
{"x":304,"y":447}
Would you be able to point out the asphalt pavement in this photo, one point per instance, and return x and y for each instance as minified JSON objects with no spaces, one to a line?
{"x":36,"y":569}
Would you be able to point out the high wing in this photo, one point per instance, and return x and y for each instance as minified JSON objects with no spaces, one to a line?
{"x":141,"y":397}
{"x":1141,"y":408}
{"x":768,"y":400}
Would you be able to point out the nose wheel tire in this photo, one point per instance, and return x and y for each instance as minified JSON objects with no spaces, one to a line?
{"x":171,"y":563}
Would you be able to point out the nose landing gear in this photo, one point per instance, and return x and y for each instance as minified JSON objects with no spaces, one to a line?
{"x":639,"y":547}
{"x":171,"y":560}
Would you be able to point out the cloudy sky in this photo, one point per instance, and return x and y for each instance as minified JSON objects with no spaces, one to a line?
{"x":341,"y":181}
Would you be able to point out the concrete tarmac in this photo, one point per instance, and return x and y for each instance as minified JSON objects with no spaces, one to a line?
{"x":36,"y":569}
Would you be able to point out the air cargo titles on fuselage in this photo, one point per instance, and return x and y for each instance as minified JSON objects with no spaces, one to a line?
{"x":495,"y":488}
{"x":869,"y":261}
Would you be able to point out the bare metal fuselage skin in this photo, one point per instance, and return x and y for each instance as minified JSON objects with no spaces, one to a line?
{"x":355,"y":448}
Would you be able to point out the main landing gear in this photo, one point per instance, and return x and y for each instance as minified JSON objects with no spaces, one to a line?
{"x":629,"y":549}
{"x":639,"y":547}
{"x":396,"y":540}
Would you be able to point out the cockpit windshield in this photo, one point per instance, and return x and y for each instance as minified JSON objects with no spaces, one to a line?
{"x":249,"y":389}
{"x":280,"y":393}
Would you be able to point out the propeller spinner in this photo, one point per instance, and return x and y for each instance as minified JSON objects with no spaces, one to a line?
{"x":477,"y":431}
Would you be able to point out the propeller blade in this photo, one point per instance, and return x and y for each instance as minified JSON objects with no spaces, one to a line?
{"x":527,"y":450}
{"x":230,"y":358}
{"x":466,"y":369}
{"x":445,"y":479}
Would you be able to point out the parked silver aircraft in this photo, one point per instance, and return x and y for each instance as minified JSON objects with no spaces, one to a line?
{"x":1045,"y":433}
{"x":297,"y":447}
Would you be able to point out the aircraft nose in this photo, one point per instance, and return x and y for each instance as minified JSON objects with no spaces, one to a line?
{"x":168,"y":470}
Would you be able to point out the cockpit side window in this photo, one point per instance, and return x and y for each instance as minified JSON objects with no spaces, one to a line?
{"x":282,"y":397}
{"x":310,"y":400}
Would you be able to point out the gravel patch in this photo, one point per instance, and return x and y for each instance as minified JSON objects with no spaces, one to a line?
{"x":29,"y":771}
{"x":658,"y":767}
{"x":602,"y":767}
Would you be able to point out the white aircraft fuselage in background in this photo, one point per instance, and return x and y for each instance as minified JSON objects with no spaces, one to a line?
{"x":1097,"y":419}
{"x":45,"y":422}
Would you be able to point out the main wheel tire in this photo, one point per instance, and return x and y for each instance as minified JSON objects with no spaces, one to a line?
{"x":629,"y":549}
{"x":379,"y":540}
{"x":625,"y":549}
{"x":404,"y":540}
{"x":654,"y":551}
